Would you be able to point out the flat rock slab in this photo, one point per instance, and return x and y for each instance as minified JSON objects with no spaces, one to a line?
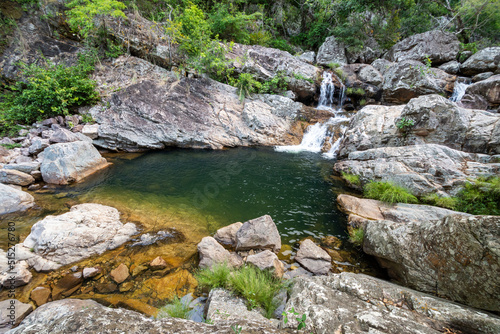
{"x":12,"y":176}
{"x":313,"y":258}
{"x":12,"y":312}
{"x":356,"y":303}
{"x":14,"y":200}
{"x":258,"y":233}
{"x":86,"y":230}
{"x":89,"y":316}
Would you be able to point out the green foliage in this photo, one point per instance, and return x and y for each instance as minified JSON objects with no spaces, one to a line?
{"x":404,"y":125}
{"x":355,"y":91}
{"x":388,"y":192}
{"x":472,"y":47}
{"x":229,"y":24}
{"x":276,"y":85}
{"x":246,"y":85}
{"x":236,"y":329}
{"x":362,"y":102}
{"x":256,"y":286}
{"x":88,"y":119}
{"x":351,"y":178}
{"x":11,"y":146}
{"x":196,"y":30}
{"x":282,"y":44}
{"x":175,"y":309}
{"x":47,"y":91}
{"x":333,"y":65}
{"x":444,"y":202}
{"x":301,"y":319}
{"x":212,"y":61}
{"x":299,"y":76}
{"x":340,"y":74}
{"x":356,"y":236}
{"x":480,"y":197}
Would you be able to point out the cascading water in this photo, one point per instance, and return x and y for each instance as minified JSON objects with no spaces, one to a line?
{"x":459,"y":90}
{"x":322,"y":135}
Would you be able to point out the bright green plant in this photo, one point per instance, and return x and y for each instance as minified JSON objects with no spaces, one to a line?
{"x":404,"y":125}
{"x":276,"y":85}
{"x":356,"y":236}
{"x":301,"y":319}
{"x":480,"y":197}
{"x":236,"y":329}
{"x":282,"y":44}
{"x":229,"y":24}
{"x":351,"y":178}
{"x":212,"y":61}
{"x":444,"y":202}
{"x":216,"y":276}
{"x":333,"y":65}
{"x":196,"y":30}
{"x":87,"y":118}
{"x":176,"y":309}
{"x":299,"y":76}
{"x":246,"y":85}
{"x":11,"y":146}
{"x":388,"y":192}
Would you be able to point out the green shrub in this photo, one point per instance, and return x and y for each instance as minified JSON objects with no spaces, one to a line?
{"x":388,"y":192}
{"x":196,"y":30}
{"x":351,"y":178}
{"x":47,"y":91}
{"x":231,"y":25}
{"x":276,"y":85}
{"x":175,"y":309}
{"x":282,"y":44}
{"x":246,"y":85}
{"x":356,"y":236}
{"x":480,"y":197}
{"x":333,"y":65}
{"x":444,"y":202}
{"x":212,"y":61}
{"x":404,"y":125}
{"x":216,"y":276}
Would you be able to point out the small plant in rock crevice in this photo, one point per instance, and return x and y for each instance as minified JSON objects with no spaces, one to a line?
{"x":176,"y":309}
{"x":404,"y":125}
{"x":356,"y":236}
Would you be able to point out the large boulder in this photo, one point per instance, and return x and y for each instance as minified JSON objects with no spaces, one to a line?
{"x":313,"y":258}
{"x":331,"y":51}
{"x":84,"y":231}
{"x":258,"y":233}
{"x":410,"y":78}
{"x":488,"y":89}
{"x":70,"y":162}
{"x":211,"y":252}
{"x":436,"y":120}
{"x":357,"y":303}
{"x":88,"y":316}
{"x":439,"y":251}
{"x":422,"y":169}
{"x":14,"y":200}
{"x":265,"y":63}
{"x":155,"y":109}
{"x":436,"y":45}
{"x":486,"y":60}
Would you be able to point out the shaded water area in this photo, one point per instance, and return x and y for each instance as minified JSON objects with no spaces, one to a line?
{"x":189,"y":194}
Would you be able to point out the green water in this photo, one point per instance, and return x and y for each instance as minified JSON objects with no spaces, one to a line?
{"x":223,"y":187}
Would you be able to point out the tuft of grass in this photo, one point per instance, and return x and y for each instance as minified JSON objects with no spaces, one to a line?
{"x":333,"y":65}
{"x":351,"y":178}
{"x":175,"y":309}
{"x":216,"y":276}
{"x":11,"y":146}
{"x":388,"y":192}
{"x":356,"y":236}
{"x":480,"y":197}
{"x":444,"y":202}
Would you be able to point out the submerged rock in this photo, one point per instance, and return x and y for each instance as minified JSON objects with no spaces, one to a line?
{"x":313,"y":258}
{"x":70,"y":162}
{"x":435,"y":250}
{"x":14,"y":200}
{"x":258,"y":233}
{"x":356,"y":303}
{"x":84,"y":231}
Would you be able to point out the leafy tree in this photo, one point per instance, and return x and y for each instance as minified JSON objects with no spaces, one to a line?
{"x":195,"y":28}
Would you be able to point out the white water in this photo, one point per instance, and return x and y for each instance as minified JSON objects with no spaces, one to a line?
{"x":317,"y":135}
{"x":459,"y":91}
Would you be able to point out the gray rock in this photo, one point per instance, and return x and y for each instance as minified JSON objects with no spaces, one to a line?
{"x":84,"y":231}
{"x":308,"y":57}
{"x":12,"y":176}
{"x":456,"y":256}
{"x":12,"y":312}
{"x":408,"y":79}
{"x":223,"y":306}
{"x":161,"y":110}
{"x":370,"y":51}
{"x":25,"y":167}
{"x":313,"y":258}
{"x":439,"y":46}
{"x":13,"y":275}
{"x":38,"y":145}
{"x":488,"y":88}
{"x":382,"y":65}
{"x":331,"y":51}
{"x":422,"y":169}
{"x":371,"y":76}
{"x":473,"y":101}
{"x":91,"y":272}
{"x":88,"y":316}
{"x":91,"y":130}
{"x":70,"y":162}
{"x":227,"y":234}
{"x":14,"y":200}
{"x":482,"y":76}
{"x":267,"y":260}
{"x":355,"y":303}
{"x":486,"y":60}
{"x":451,"y":67}
{"x":62,"y":135}
{"x":436,"y":120}
{"x":259,"y":233}
{"x":211,"y":252}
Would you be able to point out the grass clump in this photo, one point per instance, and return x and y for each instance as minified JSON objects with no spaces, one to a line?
{"x":351,"y":178}
{"x":480,"y":197}
{"x":356,"y":236}
{"x":11,"y":146}
{"x":444,"y":202}
{"x":257,"y":286}
{"x":388,"y":192}
{"x":175,"y":309}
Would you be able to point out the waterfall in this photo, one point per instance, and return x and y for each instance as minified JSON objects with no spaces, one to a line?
{"x":321,"y":135}
{"x":461,"y":85}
